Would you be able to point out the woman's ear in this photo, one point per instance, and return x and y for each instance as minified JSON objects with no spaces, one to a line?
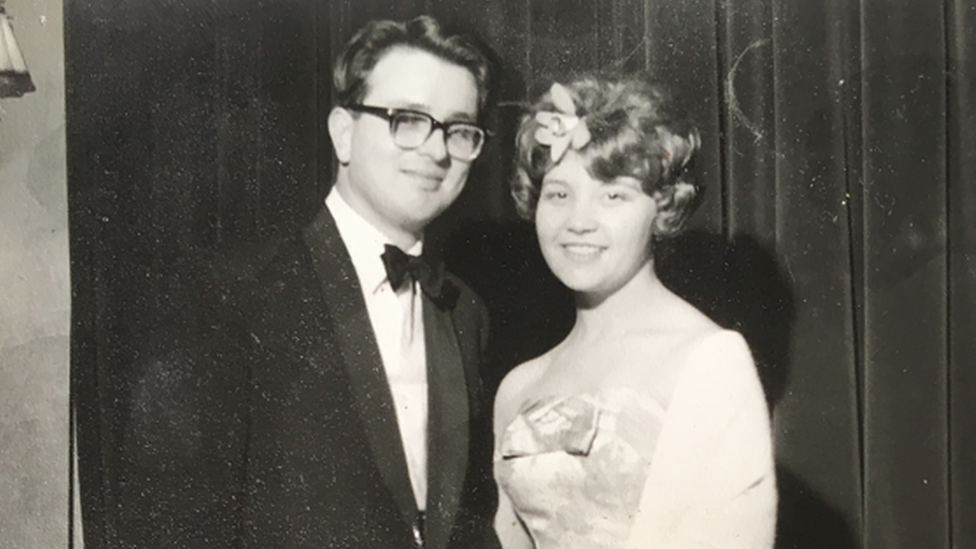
{"x":340,"y":130}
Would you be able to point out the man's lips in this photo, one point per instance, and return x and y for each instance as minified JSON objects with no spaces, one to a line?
{"x":428,"y":175}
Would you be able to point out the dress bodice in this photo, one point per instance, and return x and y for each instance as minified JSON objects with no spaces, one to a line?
{"x":574,"y":467}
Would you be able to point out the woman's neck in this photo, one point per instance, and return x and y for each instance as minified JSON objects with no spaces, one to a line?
{"x":625,"y":309}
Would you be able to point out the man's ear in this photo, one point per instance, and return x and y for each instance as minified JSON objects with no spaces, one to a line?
{"x":340,"y":130}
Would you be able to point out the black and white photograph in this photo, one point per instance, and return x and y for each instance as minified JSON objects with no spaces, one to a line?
{"x":495,"y":274}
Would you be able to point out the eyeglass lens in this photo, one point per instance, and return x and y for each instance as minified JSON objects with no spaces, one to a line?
{"x":411,"y":130}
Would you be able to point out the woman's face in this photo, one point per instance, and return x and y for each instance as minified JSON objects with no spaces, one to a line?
{"x":595,"y":235}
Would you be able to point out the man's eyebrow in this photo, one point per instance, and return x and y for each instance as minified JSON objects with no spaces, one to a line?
{"x":458,"y":116}
{"x":461,"y":117}
{"x":419,"y":107}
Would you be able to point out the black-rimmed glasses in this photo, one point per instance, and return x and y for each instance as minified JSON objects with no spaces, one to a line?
{"x":411,"y":129}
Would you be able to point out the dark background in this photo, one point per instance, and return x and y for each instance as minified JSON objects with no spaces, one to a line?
{"x":837,"y":232}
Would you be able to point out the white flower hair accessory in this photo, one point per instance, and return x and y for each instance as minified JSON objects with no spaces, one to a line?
{"x":561,"y":129}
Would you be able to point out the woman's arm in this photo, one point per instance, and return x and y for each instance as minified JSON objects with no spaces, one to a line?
{"x":508,"y":527}
{"x":511,"y":533}
{"x":712,"y":482}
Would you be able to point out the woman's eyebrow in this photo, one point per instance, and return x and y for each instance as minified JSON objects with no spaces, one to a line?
{"x":624,"y":181}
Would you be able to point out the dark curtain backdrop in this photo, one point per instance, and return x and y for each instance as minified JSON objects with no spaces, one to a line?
{"x":838,"y":231}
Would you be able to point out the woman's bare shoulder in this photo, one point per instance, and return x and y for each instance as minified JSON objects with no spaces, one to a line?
{"x":719,"y":347}
{"x":659,"y":359}
{"x":718,"y":372}
{"x":514,"y":386}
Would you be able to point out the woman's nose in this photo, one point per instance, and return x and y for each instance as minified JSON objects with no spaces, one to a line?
{"x":582,"y":217}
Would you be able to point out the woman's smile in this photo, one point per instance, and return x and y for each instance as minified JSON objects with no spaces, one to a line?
{"x":582,"y":251}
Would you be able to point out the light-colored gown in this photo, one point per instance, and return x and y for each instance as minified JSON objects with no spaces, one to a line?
{"x":620,"y":468}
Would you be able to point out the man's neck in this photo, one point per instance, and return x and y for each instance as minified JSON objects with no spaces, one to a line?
{"x":398,"y":236}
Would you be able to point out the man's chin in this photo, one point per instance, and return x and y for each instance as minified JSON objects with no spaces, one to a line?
{"x":427,"y":205}
{"x":416,"y":219}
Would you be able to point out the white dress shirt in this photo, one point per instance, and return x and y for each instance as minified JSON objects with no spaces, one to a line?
{"x":397,"y":320}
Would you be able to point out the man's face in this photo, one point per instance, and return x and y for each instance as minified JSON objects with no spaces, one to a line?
{"x":401,"y":191}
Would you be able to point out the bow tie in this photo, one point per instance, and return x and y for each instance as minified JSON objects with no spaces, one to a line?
{"x":401,"y":266}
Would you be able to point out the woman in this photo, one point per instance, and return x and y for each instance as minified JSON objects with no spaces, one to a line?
{"x":646,"y":427}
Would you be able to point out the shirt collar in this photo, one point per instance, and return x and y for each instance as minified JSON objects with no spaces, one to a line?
{"x":364,"y":242}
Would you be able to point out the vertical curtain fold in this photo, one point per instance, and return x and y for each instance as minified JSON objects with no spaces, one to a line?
{"x":961,"y":234}
{"x":905,"y":330}
{"x":816,"y":420}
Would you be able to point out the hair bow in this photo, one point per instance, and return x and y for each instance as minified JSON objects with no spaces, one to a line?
{"x":562,"y":129}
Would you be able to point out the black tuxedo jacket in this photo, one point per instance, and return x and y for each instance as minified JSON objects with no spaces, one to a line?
{"x":295,"y":442}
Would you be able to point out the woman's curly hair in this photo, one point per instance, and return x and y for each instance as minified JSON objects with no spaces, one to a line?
{"x":634,"y":132}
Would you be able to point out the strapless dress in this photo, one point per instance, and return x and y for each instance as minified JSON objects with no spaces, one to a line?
{"x":574,"y":467}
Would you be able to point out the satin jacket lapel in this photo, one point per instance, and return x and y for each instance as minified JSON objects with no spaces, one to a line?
{"x":447,"y":443}
{"x":361,"y":357}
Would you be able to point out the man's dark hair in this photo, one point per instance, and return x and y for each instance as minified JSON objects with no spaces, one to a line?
{"x":424,"y":33}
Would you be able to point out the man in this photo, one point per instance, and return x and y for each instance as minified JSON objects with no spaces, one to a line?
{"x":362,"y":417}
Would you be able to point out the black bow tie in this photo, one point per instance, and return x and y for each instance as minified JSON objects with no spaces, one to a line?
{"x":401,"y":266}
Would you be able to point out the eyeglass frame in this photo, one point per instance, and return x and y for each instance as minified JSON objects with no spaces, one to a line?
{"x":389,"y":114}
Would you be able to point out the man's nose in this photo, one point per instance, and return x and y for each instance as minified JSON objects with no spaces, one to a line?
{"x":436,"y":146}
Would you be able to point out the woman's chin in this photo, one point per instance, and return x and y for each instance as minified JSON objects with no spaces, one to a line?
{"x":586,"y":287}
